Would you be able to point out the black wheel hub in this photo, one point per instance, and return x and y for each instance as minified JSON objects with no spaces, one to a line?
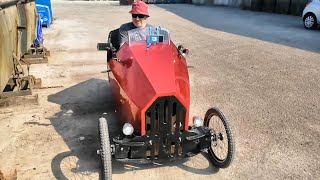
{"x":220,"y":136}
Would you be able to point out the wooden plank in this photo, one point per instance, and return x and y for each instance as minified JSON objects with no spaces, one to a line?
{"x":20,"y":100}
{"x":47,"y":53}
{"x":15,"y":93}
{"x":37,"y":83}
{"x":34,"y":60}
{"x":33,"y":56}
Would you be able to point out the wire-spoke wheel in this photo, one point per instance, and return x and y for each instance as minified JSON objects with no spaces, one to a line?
{"x":72,"y":169}
{"x":222,"y":146}
{"x":105,"y":150}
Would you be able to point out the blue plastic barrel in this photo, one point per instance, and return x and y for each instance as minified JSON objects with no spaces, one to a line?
{"x":44,"y":9}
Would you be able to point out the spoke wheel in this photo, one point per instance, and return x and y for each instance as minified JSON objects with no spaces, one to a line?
{"x":72,"y":169}
{"x":222,"y":146}
{"x":105,"y":150}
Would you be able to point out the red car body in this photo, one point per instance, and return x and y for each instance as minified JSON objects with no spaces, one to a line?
{"x":143,"y":75}
{"x":150,"y":85}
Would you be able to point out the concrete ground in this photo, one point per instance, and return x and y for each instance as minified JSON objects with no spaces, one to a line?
{"x":262,"y":70}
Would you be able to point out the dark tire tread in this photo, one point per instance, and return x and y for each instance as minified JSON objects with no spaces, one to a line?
{"x":231,"y":147}
{"x":105,"y":150}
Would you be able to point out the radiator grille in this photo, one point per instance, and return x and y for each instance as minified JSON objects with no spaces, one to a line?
{"x":165,"y":121}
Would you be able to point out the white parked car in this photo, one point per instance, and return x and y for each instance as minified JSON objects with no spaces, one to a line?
{"x":311,"y":14}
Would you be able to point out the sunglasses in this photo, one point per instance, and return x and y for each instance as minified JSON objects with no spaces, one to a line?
{"x":138,"y":15}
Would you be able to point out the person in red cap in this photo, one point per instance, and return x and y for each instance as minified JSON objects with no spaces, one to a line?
{"x":140,"y":13}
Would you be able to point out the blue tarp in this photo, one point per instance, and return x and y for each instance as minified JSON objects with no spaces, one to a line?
{"x":38,"y":41}
{"x":44,"y":9}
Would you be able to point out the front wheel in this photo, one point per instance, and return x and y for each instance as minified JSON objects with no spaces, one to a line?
{"x":105,"y":150}
{"x":222,"y":148}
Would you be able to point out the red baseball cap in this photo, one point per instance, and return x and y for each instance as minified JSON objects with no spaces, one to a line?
{"x":139,"y":7}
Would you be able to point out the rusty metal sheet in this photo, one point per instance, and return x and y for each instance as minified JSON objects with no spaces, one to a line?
{"x":22,"y":32}
{"x":31,"y":12}
{"x":17,"y":34}
{"x":8,"y":42}
{"x":27,"y":23}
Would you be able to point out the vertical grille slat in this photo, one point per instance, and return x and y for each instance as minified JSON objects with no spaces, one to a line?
{"x":177,"y":129}
{"x":178,"y":120}
{"x":164,"y":123}
{"x":153,"y":129}
{"x":169,"y":123}
{"x":169,"y":117}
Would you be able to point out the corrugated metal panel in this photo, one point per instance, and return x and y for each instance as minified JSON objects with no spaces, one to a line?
{"x":269,"y":5}
{"x":279,"y":6}
{"x":22,"y":33}
{"x":234,"y":3}
{"x":198,"y":1}
{"x":245,"y":4}
{"x":297,"y":6}
{"x":165,"y":1}
{"x":31,"y":23}
{"x":8,"y":37}
{"x":17,"y":34}
{"x":257,"y":5}
{"x":27,"y":22}
{"x":283,"y":6}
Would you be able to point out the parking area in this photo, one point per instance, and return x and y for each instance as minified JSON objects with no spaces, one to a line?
{"x":275,"y":28}
{"x":262,"y":70}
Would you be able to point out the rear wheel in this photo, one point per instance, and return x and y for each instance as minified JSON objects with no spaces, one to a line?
{"x":105,"y":150}
{"x":222,"y":150}
{"x":310,"y":21}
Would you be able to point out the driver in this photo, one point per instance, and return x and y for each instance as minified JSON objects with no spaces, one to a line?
{"x":140,"y":13}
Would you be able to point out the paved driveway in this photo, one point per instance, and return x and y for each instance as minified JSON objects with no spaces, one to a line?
{"x":275,"y":28}
{"x":262,"y":70}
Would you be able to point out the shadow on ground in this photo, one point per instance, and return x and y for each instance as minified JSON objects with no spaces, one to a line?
{"x":77,"y":123}
{"x":199,"y":164}
{"x":276,"y":28}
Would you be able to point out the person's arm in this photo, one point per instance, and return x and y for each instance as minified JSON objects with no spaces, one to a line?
{"x":123,"y":35}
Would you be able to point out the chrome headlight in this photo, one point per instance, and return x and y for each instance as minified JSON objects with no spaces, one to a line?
{"x":127,"y":129}
{"x":197,"y":121}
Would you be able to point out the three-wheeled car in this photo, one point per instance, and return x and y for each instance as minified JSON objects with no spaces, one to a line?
{"x":150,"y":84}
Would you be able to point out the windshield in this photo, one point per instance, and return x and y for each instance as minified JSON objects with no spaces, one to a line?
{"x":149,"y":35}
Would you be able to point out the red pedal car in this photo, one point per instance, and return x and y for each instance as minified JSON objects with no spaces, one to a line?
{"x":150,"y":82}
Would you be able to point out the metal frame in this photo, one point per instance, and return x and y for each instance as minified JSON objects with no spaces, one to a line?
{"x":165,"y":139}
{"x":19,"y":90}
{"x":7,"y":4}
{"x":36,"y":55}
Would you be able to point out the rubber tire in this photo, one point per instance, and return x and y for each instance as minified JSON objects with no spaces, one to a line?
{"x":231,"y":147}
{"x":105,"y":150}
{"x":315,"y":21}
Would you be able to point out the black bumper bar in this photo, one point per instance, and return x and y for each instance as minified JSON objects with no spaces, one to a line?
{"x":144,"y":149}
